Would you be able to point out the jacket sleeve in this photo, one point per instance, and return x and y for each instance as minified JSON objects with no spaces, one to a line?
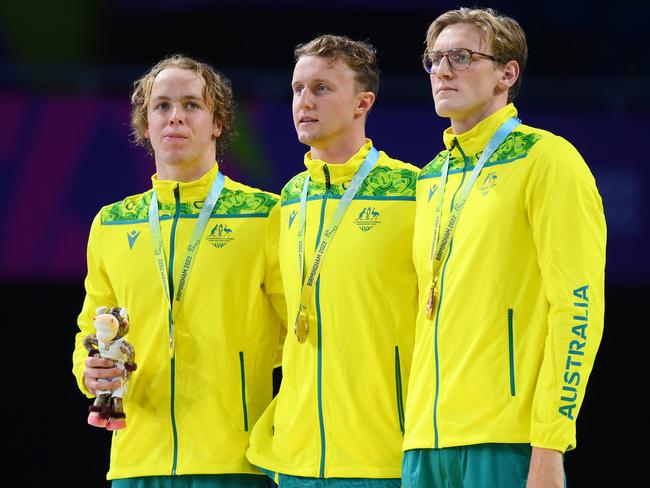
{"x":566,"y":217}
{"x":273,"y":279}
{"x":98,"y":293}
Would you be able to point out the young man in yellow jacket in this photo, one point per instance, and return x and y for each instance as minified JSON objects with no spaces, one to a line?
{"x":199,"y":285}
{"x":510,"y":252}
{"x":345,"y":256}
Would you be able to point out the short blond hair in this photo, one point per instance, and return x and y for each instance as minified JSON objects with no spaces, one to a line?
{"x":360,"y":56}
{"x":217,"y":93}
{"x":503,"y":34}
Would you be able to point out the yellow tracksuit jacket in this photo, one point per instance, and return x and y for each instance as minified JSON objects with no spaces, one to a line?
{"x":191,"y":413}
{"x":507,"y":356}
{"x":339,"y":412}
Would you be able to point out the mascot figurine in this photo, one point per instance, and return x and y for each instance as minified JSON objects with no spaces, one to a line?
{"x":111,"y":325}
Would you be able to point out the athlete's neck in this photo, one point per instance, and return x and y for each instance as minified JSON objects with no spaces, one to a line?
{"x":339,"y":153}
{"x":466,"y":122}
{"x":183,"y":173}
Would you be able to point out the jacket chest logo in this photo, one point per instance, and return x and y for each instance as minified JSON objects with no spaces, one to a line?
{"x":432,"y":191}
{"x":132,"y":237}
{"x":220,"y":235}
{"x":489,"y":182}
{"x":368,"y":218}
{"x":292,"y":217}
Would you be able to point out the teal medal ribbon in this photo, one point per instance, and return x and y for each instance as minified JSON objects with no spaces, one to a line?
{"x":301,"y":328}
{"x":191,"y":250}
{"x":440,"y":249}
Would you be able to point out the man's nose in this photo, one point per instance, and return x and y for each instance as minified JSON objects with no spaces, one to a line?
{"x":444,"y":68}
{"x":177,"y":115}
{"x":305,"y":99}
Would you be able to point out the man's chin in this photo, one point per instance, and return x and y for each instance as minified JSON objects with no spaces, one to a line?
{"x":307,"y":139}
{"x":443,"y":110}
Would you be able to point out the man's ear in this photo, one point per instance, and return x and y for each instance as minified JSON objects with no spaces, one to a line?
{"x":365,"y":101}
{"x":509,"y":74}
{"x":216,"y":130}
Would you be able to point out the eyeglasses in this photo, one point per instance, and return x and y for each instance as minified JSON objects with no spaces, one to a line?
{"x":459,"y":59}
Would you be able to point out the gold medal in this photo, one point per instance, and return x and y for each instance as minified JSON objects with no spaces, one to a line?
{"x":432,"y":302}
{"x":300,"y":328}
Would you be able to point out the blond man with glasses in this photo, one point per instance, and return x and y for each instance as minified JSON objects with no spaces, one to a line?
{"x":509,"y":247}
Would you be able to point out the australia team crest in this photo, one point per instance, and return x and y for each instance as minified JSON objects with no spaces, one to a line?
{"x":368,"y":218}
{"x":220,"y":235}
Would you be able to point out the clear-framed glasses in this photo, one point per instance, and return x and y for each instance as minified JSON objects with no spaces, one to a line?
{"x":459,"y":59}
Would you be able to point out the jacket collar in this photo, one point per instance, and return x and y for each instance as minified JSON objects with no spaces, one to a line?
{"x":189,"y":191}
{"x":339,"y":173}
{"x":474,"y":140}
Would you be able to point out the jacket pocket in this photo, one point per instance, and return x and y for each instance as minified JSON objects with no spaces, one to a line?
{"x":242,"y":369}
{"x":511,"y":350}
{"x":398,"y":391}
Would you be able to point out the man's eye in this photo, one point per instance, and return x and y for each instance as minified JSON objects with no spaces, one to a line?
{"x":460,"y":57}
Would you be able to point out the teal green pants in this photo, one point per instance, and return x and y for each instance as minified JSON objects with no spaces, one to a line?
{"x":476,"y":466}
{"x":196,"y":481}
{"x":300,"y":482}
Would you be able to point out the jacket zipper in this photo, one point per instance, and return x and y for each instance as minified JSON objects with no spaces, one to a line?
{"x":320,"y":336}
{"x":442,"y":287}
{"x":172,"y":238}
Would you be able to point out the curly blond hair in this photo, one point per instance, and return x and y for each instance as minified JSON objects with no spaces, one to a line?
{"x":217,"y":93}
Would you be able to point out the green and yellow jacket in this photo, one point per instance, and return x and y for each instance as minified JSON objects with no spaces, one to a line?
{"x":507,"y":355}
{"x":339,"y":412}
{"x":191,"y":413}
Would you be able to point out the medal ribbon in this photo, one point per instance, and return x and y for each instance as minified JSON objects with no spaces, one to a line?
{"x":301,"y":328}
{"x":190,"y":253}
{"x":439,"y":250}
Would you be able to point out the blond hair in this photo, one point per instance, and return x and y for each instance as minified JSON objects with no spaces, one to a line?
{"x":504,"y":35}
{"x":217,"y":93}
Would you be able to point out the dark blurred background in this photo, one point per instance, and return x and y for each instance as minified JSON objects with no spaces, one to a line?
{"x":66,"y":70}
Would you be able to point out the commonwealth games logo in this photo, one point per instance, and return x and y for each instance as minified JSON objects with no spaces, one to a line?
{"x":220,"y":235}
{"x":367,"y":219}
{"x":489,"y":182}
